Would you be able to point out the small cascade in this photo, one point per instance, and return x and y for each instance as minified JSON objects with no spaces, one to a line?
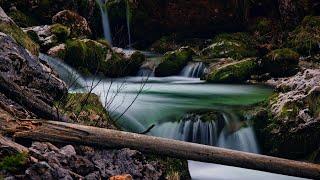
{"x":128,"y":23}
{"x":105,"y":20}
{"x":70,"y":76}
{"x":195,"y":70}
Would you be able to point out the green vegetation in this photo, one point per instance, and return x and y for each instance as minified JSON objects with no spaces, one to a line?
{"x":234,"y":73}
{"x":61,"y":32}
{"x":14,"y":162}
{"x":306,"y":38}
{"x":86,"y":109}
{"x":22,"y":38}
{"x":236,"y":46}
{"x":281,"y":62}
{"x":22,"y":19}
{"x":173,"y":62}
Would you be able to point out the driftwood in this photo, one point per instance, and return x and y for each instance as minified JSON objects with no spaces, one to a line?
{"x":7,"y":143}
{"x":84,"y":135}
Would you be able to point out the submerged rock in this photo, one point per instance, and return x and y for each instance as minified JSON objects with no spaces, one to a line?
{"x":173,"y":62}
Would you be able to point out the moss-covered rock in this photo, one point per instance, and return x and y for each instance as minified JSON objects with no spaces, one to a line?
{"x":61,"y":32}
{"x":92,"y":57}
{"x":236,"y":72}
{"x":281,"y":62}
{"x":21,"y":19}
{"x":173,"y":62}
{"x":165,"y":44}
{"x":14,"y":162}
{"x":236,"y":46}
{"x":8,"y":27}
{"x":78,"y":25}
{"x":306,"y":38}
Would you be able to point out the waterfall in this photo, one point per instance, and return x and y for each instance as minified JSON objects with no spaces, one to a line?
{"x":195,"y":70}
{"x":70,"y":76}
{"x":128,"y":23}
{"x":105,"y":20}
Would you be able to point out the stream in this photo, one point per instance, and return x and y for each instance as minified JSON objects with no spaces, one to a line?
{"x":140,"y":102}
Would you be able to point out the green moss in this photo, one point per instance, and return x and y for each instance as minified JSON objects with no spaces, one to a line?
{"x":14,"y":162}
{"x":306,"y":38}
{"x":21,"y":38}
{"x":22,"y":19}
{"x":233,"y":73}
{"x":86,"y":55}
{"x":236,"y":46}
{"x":61,"y":32}
{"x":86,"y":109}
{"x":173,"y":62}
{"x":281,"y":62}
{"x":289,"y":111}
{"x":263,"y":26}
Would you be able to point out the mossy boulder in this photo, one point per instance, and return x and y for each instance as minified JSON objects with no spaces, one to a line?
{"x":237,"y":72}
{"x":236,"y":46}
{"x":8,"y":27}
{"x":61,"y":32}
{"x":88,"y":56}
{"x":281,"y":62}
{"x":173,"y":62}
{"x":306,"y":38}
{"x":78,"y":24}
{"x":165,"y":44}
{"x":92,"y":57}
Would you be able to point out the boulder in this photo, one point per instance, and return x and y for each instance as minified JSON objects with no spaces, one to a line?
{"x":295,"y":115}
{"x":48,"y":36}
{"x":35,"y":86}
{"x":305,"y":39}
{"x":173,"y":62}
{"x":9,"y":27}
{"x":78,"y":24}
{"x":236,"y":72}
{"x":281,"y":62}
{"x":236,"y":46}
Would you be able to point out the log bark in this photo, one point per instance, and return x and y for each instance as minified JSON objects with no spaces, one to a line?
{"x":7,"y":143}
{"x":84,"y":135}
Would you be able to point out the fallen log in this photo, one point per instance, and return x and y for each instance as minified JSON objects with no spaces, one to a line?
{"x":7,"y":143}
{"x":84,"y":135}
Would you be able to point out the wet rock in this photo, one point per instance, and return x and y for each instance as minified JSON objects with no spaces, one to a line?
{"x":173,"y":62}
{"x":40,"y":170}
{"x":235,"y":72}
{"x":57,"y":51}
{"x":78,"y":24}
{"x":93,"y":176}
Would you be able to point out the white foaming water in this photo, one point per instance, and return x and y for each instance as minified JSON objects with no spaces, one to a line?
{"x":164,"y":101}
{"x":195,"y":70}
{"x":105,"y":20}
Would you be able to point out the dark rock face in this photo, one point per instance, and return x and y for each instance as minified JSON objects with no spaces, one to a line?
{"x":20,"y":67}
{"x":26,"y":82}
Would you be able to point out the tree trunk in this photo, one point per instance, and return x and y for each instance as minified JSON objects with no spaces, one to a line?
{"x":84,"y":135}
